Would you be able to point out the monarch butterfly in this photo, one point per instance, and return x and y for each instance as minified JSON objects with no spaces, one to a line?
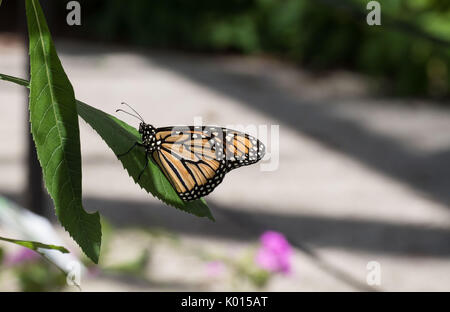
{"x":195,"y":159}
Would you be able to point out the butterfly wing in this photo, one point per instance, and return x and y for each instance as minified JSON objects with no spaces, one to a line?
{"x":241,"y":149}
{"x":196,"y":159}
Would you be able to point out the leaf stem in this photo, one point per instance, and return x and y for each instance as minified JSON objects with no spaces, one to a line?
{"x":34,"y":245}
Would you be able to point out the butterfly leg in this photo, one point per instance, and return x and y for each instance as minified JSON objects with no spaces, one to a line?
{"x":145,"y":167}
{"x":131,"y":148}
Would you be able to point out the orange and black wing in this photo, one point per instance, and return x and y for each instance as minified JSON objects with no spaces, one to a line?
{"x":241,"y":149}
{"x":196,"y":159}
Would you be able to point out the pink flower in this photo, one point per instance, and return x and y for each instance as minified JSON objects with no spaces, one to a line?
{"x":275,"y":253}
{"x":94,"y":271}
{"x":23,"y":255}
{"x":215,"y":268}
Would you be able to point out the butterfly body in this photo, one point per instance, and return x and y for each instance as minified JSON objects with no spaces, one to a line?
{"x":148,"y":135}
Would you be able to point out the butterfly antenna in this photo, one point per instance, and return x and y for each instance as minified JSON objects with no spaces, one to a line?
{"x":121,"y":110}
{"x":140,"y":117}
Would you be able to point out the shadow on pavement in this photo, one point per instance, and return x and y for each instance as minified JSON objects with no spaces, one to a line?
{"x":302,"y":230}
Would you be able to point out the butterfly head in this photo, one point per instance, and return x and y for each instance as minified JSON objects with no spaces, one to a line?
{"x":147,"y":132}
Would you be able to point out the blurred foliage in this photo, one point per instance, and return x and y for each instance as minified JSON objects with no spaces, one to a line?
{"x":320,"y":35}
{"x":32,"y":272}
{"x":40,"y":276}
{"x":245,"y":268}
{"x":136,"y":267}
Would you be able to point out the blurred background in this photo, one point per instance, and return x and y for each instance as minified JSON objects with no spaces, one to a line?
{"x":364,"y":148}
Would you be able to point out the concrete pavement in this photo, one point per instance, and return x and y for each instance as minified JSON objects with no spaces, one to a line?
{"x":360,"y":178}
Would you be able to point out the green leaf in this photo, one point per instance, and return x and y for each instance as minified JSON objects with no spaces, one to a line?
{"x":120,"y":137}
{"x":54,"y":125}
{"x":16,"y":80}
{"x":34,"y":245}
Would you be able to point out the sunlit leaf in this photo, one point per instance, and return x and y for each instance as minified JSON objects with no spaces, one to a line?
{"x":54,"y":125}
